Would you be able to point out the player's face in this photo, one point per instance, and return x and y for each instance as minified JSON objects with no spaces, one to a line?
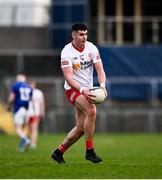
{"x":80,"y":38}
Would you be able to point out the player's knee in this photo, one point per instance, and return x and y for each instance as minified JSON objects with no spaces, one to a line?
{"x":92,"y":112}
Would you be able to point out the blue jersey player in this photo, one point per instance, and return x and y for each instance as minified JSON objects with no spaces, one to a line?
{"x":20,"y":96}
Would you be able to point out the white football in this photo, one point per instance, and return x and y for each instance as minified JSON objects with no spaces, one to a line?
{"x":99,"y":94}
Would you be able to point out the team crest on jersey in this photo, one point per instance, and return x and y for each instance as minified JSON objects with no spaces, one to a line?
{"x":81,"y":57}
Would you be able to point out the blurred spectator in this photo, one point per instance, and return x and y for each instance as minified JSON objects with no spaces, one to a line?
{"x":36,"y":113}
{"x":20,"y":96}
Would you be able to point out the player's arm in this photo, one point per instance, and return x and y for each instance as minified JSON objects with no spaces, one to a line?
{"x":67,"y":69}
{"x":101,"y":75}
{"x":68,"y":72}
{"x":32,"y":103}
{"x":42,"y":106}
{"x":11,"y":99}
{"x":99,"y":67}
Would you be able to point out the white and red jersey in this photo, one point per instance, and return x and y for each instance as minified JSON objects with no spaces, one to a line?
{"x":81,"y":63}
{"x":37,"y":98}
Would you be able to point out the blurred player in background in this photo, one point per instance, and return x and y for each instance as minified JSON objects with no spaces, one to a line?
{"x":77,"y":61}
{"x":35,"y":113}
{"x":20,"y":97}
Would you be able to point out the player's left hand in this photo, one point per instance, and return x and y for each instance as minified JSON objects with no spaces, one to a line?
{"x":105,"y":91}
{"x":91,"y":98}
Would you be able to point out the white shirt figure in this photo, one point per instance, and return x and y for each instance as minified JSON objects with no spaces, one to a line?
{"x":36,"y":111}
{"x":81,"y":62}
{"x":35,"y":106}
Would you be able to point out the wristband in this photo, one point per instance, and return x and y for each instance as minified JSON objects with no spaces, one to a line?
{"x":102,"y":85}
{"x":81,"y":89}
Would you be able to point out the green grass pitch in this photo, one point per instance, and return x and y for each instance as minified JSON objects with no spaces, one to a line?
{"x":126,"y":156}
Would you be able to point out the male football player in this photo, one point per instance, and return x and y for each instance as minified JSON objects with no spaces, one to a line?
{"x":20,"y":96}
{"x":35,"y":113}
{"x":77,"y":61}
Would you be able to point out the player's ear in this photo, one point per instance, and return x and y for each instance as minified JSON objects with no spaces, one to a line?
{"x":73,"y":34}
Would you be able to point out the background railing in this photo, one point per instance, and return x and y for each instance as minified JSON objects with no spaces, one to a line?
{"x":137,"y":30}
{"x":152,"y":91}
{"x":112,"y":115}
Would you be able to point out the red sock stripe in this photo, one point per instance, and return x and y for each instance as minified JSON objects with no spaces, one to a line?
{"x":89,"y":144}
{"x":62,"y":148}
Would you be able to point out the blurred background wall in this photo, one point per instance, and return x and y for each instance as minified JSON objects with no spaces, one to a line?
{"x":129,"y":36}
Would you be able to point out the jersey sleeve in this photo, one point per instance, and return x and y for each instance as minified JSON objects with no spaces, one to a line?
{"x":65,"y":58}
{"x":95,"y":54}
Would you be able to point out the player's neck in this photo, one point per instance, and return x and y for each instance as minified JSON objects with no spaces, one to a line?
{"x":77,"y":47}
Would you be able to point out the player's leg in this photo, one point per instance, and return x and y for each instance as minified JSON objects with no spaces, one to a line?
{"x":87,"y":112}
{"x":77,"y":131}
{"x":34,"y":134}
{"x":89,"y":127}
{"x":90,"y":112}
{"x":19,"y":121}
{"x":33,"y":129}
{"x":71,"y":138}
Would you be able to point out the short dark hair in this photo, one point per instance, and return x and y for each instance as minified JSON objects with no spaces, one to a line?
{"x":79,"y":26}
